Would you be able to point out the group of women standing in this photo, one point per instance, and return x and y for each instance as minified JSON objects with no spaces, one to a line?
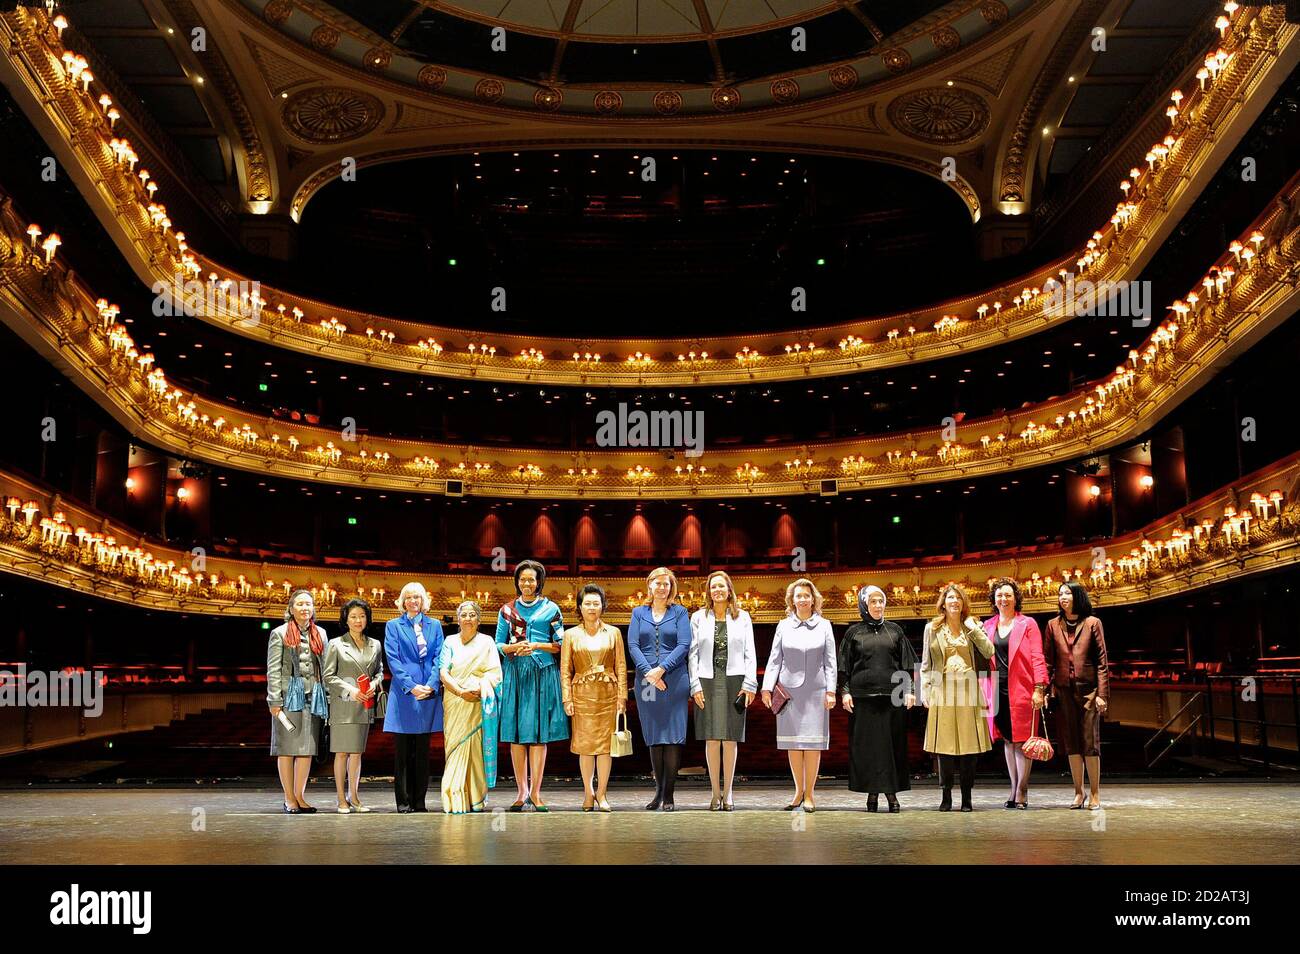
{"x":537,"y":682}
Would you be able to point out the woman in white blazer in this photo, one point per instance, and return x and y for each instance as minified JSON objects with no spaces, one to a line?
{"x":722,"y":638}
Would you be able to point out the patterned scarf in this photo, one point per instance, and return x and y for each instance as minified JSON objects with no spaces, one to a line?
{"x":292,"y":636}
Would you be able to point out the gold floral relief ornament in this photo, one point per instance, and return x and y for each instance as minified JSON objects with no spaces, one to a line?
{"x":667,"y":102}
{"x":548,"y":98}
{"x":726,"y":98}
{"x":843,"y":77}
{"x":785,"y":90}
{"x":994,"y":12}
{"x":277,"y":11}
{"x":489,"y":90}
{"x":940,"y":115}
{"x":377,"y":59}
{"x":431,"y":77}
{"x":328,"y":114}
{"x":946,"y":39}
{"x":607,"y":102}
{"x":896,"y":60}
{"x":324,"y":38}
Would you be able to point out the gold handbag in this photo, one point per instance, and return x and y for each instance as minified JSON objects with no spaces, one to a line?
{"x":620,"y":742}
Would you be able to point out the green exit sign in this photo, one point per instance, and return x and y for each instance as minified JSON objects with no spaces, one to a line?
{"x":897,"y":520}
{"x":261,"y":387}
{"x":352,"y":521}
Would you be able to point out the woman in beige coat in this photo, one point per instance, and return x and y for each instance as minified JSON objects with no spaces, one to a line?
{"x":954,"y":651}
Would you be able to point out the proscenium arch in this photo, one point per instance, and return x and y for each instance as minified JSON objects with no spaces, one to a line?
{"x":323,"y":174}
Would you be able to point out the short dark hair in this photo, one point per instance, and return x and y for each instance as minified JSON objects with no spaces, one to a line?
{"x":346,"y":611}
{"x":1082,"y":605}
{"x":998,"y":584}
{"x":591,"y":588}
{"x":537,"y":568}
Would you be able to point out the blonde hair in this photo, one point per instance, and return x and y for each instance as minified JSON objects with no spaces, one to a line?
{"x":966,"y":609}
{"x":414,"y":587}
{"x":733,"y":605}
{"x":672,"y":584}
{"x":816,"y":593}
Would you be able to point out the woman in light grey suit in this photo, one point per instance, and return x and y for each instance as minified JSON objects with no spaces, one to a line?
{"x":296,"y":649}
{"x":804,"y":664}
{"x":352,"y":710}
{"x":723,"y":671}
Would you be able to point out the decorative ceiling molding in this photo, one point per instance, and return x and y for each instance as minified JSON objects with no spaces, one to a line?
{"x":279,"y":73}
{"x":991,"y":74}
{"x":410,"y":117}
{"x":942,"y":116}
{"x":258,"y":180}
{"x":858,"y":119}
{"x":351,"y":46}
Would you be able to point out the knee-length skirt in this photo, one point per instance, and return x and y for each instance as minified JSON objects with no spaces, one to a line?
{"x":304,"y":738}
{"x":1079,"y":726}
{"x":662,"y":713}
{"x":350,"y":737}
{"x":595,"y":713}
{"x":719,"y":720}
{"x":805,"y":722}
{"x":532,"y":711}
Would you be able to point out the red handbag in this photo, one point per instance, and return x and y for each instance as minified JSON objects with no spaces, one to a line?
{"x":1037,"y":747}
{"x":779,"y":698}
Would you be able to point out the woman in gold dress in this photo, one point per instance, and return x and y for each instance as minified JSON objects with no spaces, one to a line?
{"x":593,"y":685}
{"x":470,"y":669}
{"x":955,"y":650}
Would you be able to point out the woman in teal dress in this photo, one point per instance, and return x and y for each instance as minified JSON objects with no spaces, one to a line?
{"x":529,"y":632}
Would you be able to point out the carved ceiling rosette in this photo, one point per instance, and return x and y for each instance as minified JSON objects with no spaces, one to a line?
{"x":328,"y":114}
{"x":940,"y":115}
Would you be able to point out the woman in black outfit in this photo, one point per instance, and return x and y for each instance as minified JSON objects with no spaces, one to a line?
{"x":871,"y":655}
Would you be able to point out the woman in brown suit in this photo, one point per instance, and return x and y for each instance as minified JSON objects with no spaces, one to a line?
{"x":1075,"y":651}
{"x":593,"y":685}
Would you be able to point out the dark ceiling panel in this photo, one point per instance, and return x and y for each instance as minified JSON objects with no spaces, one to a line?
{"x":138,"y":56}
{"x":111,"y":13}
{"x":1141,"y":55}
{"x":455,"y":41}
{"x":1066,"y":153}
{"x":892,"y":15}
{"x":652,"y":62}
{"x":835,"y":36}
{"x":173,"y":105}
{"x":1146,"y":14}
{"x":382,"y":16}
{"x":1098,"y":105}
{"x":204,"y":153}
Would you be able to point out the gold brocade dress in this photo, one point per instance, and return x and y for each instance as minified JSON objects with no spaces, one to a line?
{"x":593,"y":676}
{"x":956,"y":721}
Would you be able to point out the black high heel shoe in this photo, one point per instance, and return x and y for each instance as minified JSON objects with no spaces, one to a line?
{"x":668,"y":807}
{"x":945,"y":803}
{"x":894,"y":807}
{"x":291,"y":811}
{"x":873,"y":803}
{"x":307,"y":809}
{"x":654,"y":804}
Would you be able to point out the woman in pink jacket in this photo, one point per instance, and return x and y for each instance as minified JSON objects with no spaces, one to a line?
{"x":1021,"y":675}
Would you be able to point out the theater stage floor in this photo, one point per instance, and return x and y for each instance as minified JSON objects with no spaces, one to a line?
{"x":1147,"y":823}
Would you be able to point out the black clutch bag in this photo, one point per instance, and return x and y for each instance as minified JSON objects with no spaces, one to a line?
{"x":739,"y":703}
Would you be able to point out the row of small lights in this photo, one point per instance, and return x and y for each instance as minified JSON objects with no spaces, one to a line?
{"x":103,"y":551}
{"x":76,"y":69}
{"x":1217,"y":284}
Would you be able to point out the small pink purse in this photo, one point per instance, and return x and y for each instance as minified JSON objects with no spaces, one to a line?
{"x":1037,"y":747}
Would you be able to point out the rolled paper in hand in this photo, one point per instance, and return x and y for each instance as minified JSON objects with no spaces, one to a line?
{"x":284,"y":720}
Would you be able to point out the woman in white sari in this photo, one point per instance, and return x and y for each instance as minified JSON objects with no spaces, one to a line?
{"x":471,"y":670}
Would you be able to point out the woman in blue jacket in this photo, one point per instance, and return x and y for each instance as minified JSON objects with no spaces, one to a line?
{"x":659,"y":639}
{"x":412,"y":645}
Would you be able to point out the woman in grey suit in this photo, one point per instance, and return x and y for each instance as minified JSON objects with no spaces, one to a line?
{"x":295,"y":659}
{"x":349,"y":659}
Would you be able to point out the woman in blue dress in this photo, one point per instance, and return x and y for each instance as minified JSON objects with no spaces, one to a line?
{"x":529,"y":632}
{"x":659,"y":639}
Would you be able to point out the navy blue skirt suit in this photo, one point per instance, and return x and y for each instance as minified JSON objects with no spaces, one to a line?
{"x":662,"y":713}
